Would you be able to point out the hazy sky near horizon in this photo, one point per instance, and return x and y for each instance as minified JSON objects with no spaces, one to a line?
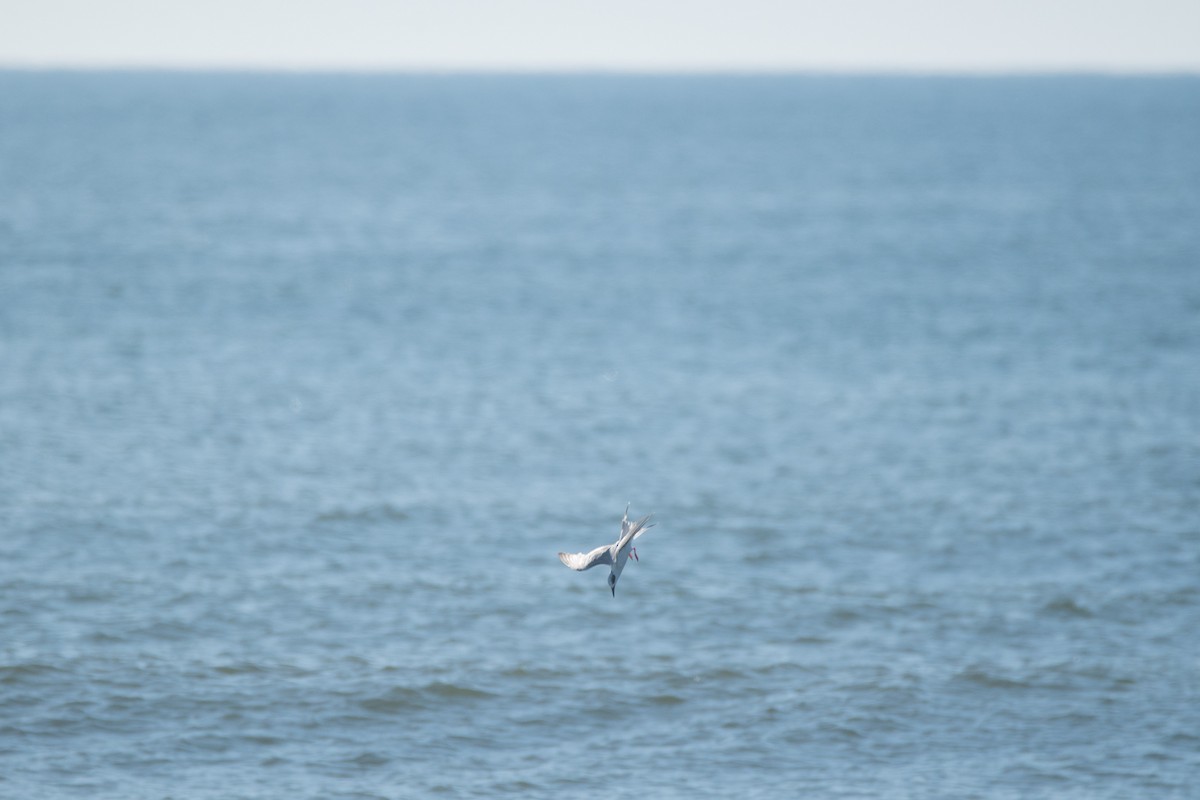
{"x":873,"y":35}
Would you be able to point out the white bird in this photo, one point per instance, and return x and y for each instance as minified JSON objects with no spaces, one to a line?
{"x":615,"y":555}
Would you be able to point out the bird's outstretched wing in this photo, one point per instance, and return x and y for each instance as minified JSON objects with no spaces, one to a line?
{"x":582,"y":561}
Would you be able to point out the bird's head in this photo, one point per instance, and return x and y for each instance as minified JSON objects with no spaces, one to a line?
{"x":612,"y":583}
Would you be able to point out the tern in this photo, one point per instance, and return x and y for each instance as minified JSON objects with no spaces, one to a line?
{"x":615,"y":554}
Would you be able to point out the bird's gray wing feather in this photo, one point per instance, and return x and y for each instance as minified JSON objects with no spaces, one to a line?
{"x":582,"y":561}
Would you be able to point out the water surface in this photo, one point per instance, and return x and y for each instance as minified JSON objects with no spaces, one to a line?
{"x":304,"y":380}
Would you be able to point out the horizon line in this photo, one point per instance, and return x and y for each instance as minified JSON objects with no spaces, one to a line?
{"x":1082,"y":70}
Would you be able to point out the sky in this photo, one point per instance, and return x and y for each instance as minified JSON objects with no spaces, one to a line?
{"x":624,"y":35}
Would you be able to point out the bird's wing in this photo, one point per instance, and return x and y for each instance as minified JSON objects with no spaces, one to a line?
{"x":634,"y":530}
{"x":582,"y":561}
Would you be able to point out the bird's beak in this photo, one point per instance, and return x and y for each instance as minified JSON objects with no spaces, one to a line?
{"x":614,"y":590}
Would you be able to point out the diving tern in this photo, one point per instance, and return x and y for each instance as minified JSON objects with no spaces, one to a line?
{"x":615,"y":554}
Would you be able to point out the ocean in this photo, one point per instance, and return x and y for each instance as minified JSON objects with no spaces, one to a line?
{"x":306,"y":379}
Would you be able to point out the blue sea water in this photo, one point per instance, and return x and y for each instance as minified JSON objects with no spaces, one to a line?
{"x":305,"y":380}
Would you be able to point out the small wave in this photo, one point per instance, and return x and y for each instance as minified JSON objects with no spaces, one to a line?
{"x":452,"y":690}
{"x":665,"y":700}
{"x":836,"y":731}
{"x":17,"y":673}
{"x":241,"y":668}
{"x":394,"y":701}
{"x":91,"y":595}
{"x":843,"y":616}
{"x":406,"y":698}
{"x":1066,"y":607}
{"x":206,"y":743}
{"x":1182,"y":597}
{"x":785,"y":667}
{"x":686,"y":677}
{"x":166,"y":630}
{"x":264,"y":739}
{"x":385,"y":512}
{"x":721,"y":674}
{"x":368,"y":760}
{"x":990,"y":680}
{"x":516,"y":786}
{"x":811,"y":639}
{"x":1063,"y":676}
{"x":537,"y":673}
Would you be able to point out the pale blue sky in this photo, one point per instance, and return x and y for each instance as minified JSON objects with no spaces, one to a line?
{"x":935,"y":35}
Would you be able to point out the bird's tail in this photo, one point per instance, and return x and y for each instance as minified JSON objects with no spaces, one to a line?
{"x":639,"y":527}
